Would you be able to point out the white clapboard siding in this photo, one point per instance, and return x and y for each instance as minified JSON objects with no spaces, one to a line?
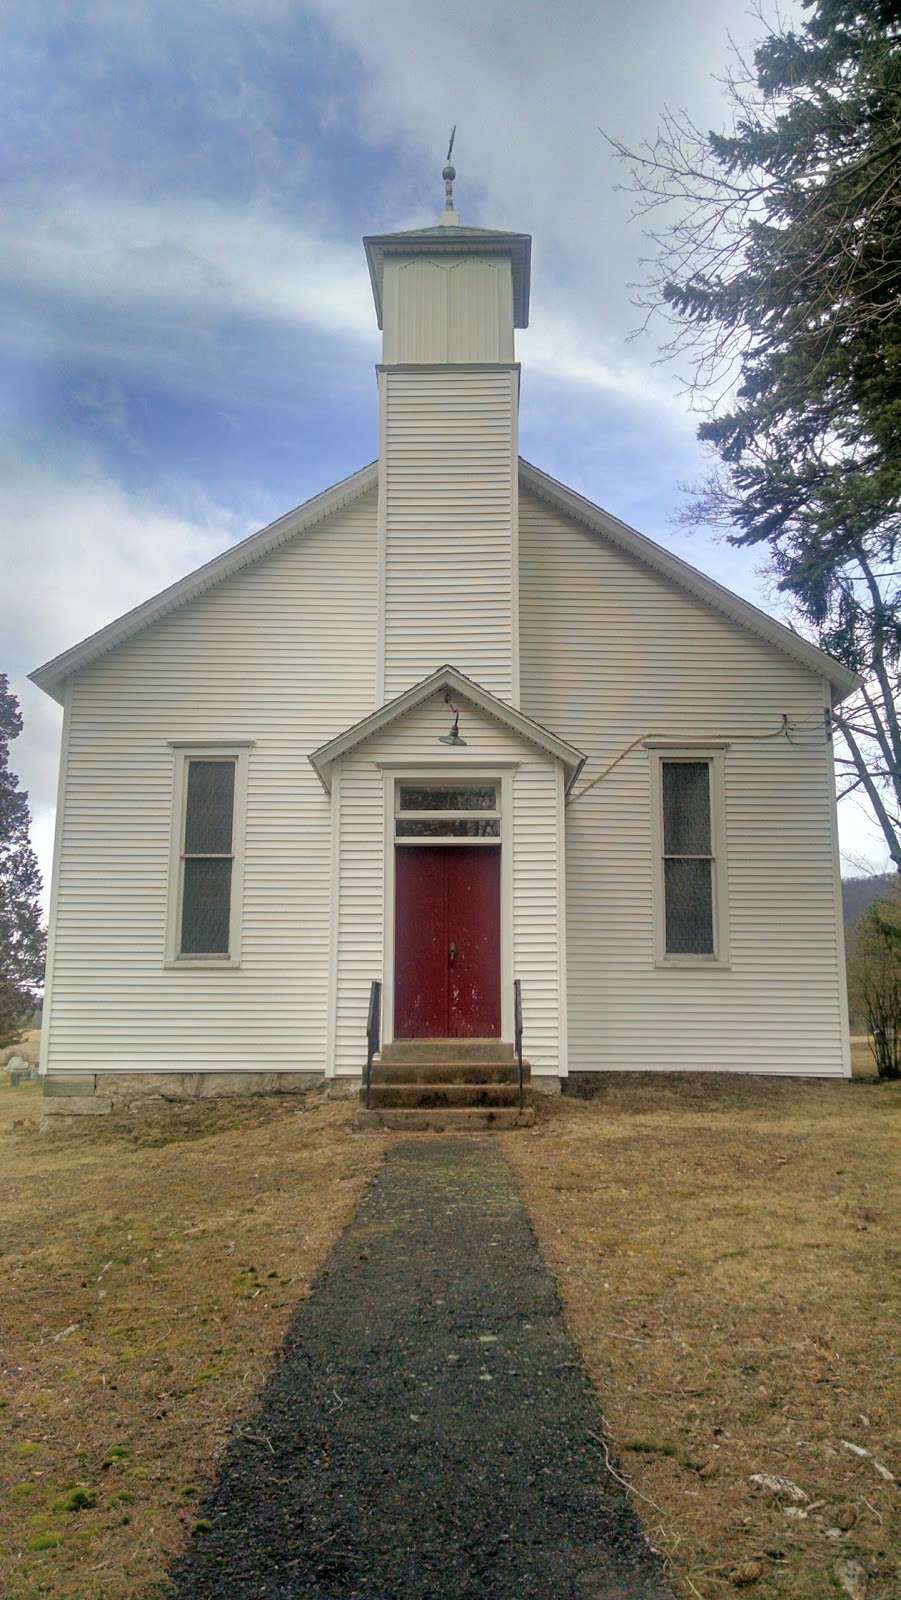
{"x":448,"y":470}
{"x":611,"y":651}
{"x":283,"y":654}
{"x":536,"y":905}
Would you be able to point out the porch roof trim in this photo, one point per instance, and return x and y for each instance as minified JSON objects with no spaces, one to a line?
{"x":323,"y":759}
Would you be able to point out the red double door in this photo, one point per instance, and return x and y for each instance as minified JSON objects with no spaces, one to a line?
{"x":447,"y":945}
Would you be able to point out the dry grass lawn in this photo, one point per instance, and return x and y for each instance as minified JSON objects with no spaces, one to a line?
{"x":147,"y":1273}
{"x":727,"y":1252}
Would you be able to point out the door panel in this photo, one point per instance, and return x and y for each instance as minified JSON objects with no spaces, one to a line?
{"x":420,"y":943}
{"x":447,"y":942}
{"x":474,"y":933}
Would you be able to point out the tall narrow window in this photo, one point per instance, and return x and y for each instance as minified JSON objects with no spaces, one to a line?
{"x":690,"y":875}
{"x":208,"y":858}
{"x":687,"y":858}
{"x":207,"y":852}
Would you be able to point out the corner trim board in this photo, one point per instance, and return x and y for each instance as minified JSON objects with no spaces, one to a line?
{"x":58,"y":827}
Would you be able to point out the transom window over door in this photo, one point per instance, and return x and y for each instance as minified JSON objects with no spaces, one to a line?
{"x":207,"y":864}
{"x":691,"y":867}
{"x":431,"y":812}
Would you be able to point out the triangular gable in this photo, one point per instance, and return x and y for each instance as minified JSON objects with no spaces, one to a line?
{"x":447,"y":677}
{"x":679,"y":572}
{"x":52,"y":676}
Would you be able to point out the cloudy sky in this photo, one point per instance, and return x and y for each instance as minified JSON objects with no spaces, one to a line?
{"x":188,"y":339}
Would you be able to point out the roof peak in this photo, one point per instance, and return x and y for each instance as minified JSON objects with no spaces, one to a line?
{"x":467,"y":688}
{"x":437,"y":230}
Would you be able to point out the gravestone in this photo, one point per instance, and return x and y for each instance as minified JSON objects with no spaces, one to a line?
{"x":20,"y":1070}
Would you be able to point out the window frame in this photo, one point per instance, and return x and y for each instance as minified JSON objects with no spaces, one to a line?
{"x":238,"y":752}
{"x":714,"y":756}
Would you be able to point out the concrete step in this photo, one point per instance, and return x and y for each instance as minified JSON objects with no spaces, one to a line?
{"x":456,"y":1120}
{"x":408,"y":1050}
{"x":442,"y":1094}
{"x":448,"y":1072}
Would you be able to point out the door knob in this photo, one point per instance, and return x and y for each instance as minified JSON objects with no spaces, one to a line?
{"x":452,"y":951}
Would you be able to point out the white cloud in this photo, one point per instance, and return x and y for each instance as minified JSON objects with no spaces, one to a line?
{"x":196,"y":260}
{"x":559,"y":347}
{"x":861,"y":842}
{"x":182,"y":255}
{"x":528,"y":82}
{"x":78,"y":550}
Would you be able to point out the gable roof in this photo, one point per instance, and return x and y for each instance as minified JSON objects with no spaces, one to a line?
{"x":453,"y":239}
{"x":447,"y":677}
{"x":715,"y":595}
{"x":52,"y":675}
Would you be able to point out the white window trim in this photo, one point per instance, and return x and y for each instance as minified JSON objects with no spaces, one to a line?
{"x":206,"y":750}
{"x":714,"y":754}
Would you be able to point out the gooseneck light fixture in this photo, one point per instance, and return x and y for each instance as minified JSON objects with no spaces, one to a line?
{"x":455,"y":737}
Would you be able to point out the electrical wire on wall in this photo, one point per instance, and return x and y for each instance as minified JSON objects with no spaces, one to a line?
{"x":802,"y":735}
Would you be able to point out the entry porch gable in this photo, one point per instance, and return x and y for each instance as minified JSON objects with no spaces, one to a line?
{"x":371,"y":781}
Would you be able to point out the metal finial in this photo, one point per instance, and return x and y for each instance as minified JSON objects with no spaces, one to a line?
{"x":449,"y":173}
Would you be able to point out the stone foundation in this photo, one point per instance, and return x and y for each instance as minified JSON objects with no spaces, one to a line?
{"x":89,"y":1094}
{"x":546,"y":1083}
{"x":62,"y":1106}
{"x":584,"y":1085}
{"x":130,"y":1088}
{"x":347,"y":1087}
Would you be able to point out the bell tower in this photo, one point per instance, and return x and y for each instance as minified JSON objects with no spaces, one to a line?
{"x":447,"y":300}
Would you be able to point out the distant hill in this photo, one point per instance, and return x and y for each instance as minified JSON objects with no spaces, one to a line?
{"x":858,"y":894}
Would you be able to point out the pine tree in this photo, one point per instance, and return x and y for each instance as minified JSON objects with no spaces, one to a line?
{"x":22,"y":936}
{"x":779,"y":272}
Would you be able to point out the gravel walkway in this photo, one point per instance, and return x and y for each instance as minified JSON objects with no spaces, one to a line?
{"x":430,"y":1430}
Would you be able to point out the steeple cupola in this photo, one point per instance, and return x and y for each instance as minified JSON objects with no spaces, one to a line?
{"x":447,"y":300}
{"x":449,"y":293}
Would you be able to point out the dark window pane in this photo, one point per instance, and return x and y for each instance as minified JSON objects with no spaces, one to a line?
{"x":686,"y":808}
{"x":208,"y":816}
{"x":434,"y":799}
{"x":689,"y":907}
{"x":205,"y":907}
{"x":449,"y":828}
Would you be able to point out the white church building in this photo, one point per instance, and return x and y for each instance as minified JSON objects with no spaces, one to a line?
{"x":446,"y":726}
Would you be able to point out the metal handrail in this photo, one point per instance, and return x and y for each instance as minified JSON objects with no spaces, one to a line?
{"x":517,"y":1028}
{"x":373,"y":1032}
